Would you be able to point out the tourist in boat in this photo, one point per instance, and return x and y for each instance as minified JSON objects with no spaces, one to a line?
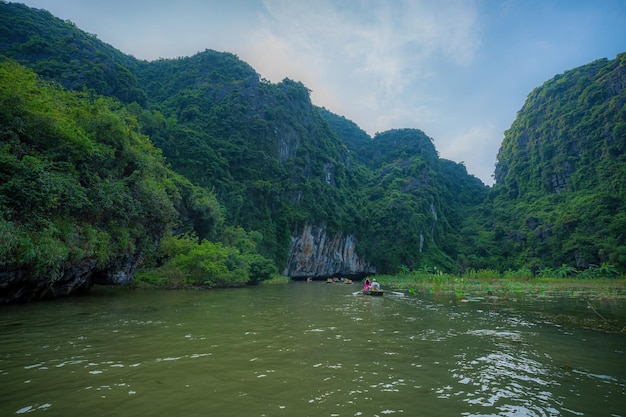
{"x":375,"y":285}
{"x":366,"y":286}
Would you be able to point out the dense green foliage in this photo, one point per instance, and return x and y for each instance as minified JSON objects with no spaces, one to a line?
{"x":84,"y":175}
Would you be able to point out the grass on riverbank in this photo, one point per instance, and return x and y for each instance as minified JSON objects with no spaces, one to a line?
{"x":491,"y":283}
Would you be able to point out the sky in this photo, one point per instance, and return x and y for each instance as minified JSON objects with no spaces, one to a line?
{"x":459,"y":70}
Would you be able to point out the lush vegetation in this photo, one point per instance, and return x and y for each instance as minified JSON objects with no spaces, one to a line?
{"x":205,"y":170}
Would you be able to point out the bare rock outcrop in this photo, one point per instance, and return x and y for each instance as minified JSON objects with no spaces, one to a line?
{"x":313,"y":253}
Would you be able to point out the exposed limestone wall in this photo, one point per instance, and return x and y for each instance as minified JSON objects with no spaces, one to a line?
{"x":316,"y":254}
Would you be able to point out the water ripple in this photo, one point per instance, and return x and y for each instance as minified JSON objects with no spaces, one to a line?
{"x":302,"y":350}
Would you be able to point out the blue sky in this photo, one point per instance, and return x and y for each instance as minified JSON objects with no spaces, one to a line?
{"x":458,"y":70}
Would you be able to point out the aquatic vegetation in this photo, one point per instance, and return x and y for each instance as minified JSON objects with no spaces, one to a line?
{"x":507,"y":285}
{"x":516,"y":287}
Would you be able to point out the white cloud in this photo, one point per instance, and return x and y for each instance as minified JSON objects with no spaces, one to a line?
{"x":272,"y":57}
{"x":371,"y":61}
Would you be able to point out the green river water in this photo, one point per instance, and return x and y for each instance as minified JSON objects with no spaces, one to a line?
{"x":304,"y":349}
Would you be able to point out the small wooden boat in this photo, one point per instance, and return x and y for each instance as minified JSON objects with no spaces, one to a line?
{"x":373,"y":292}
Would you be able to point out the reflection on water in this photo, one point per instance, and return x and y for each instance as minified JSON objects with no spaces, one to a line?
{"x":303,"y":349}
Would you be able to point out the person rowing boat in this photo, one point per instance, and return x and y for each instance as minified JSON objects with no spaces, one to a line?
{"x":373,"y":288}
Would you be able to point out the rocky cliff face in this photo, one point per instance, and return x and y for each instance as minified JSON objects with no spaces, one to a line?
{"x":19,"y":285}
{"x":313,"y":253}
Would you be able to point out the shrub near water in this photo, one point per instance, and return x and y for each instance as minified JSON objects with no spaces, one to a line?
{"x":211,"y":264}
{"x":185,"y":261}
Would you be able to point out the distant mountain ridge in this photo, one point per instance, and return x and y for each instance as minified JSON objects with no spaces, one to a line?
{"x":280,"y":165}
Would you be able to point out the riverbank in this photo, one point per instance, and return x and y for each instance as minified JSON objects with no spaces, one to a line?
{"x":472,"y":286}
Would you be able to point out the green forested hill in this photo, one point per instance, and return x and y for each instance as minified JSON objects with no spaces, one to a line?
{"x":416,"y":202}
{"x":273,"y":159}
{"x":254,"y":161}
{"x":57,"y":50}
{"x":263,"y":148}
{"x":560,"y":191}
